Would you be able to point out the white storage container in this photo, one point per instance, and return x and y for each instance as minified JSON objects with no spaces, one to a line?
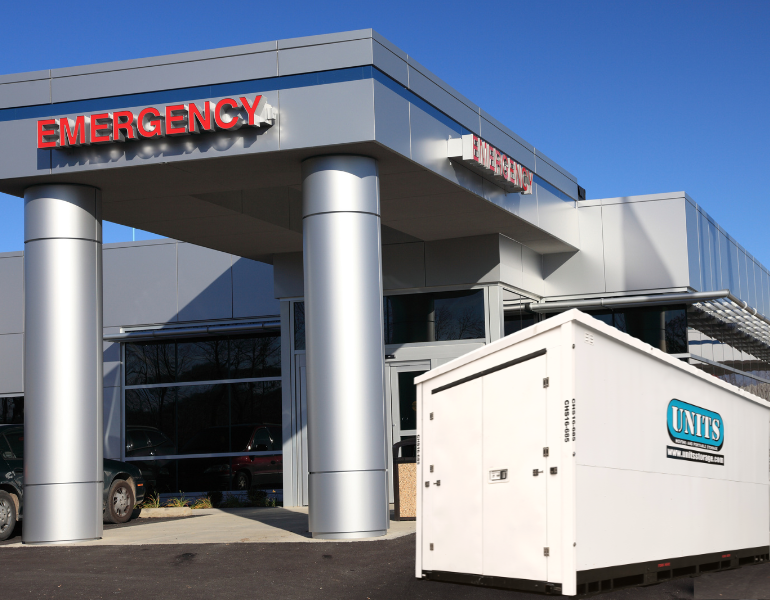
{"x":570,"y":457}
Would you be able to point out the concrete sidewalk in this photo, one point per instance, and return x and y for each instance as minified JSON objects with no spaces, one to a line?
{"x":224,"y":526}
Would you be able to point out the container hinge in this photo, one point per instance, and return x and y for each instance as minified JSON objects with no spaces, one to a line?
{"x":431,"y":416}
{"x":431,"y":546}
{"x":545,"y":382}
{"x":545,"y":452}
{"x":546,"y":551}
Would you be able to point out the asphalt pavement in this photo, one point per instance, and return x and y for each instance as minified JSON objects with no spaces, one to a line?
{"x":365,"y":570}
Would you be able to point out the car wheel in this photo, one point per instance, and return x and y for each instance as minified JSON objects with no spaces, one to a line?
{"x":242,"y":482}
{"x":120,"y":502}
{"x":7,"y":515}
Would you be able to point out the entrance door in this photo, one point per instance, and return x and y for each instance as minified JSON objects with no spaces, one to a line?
{"x":403,"y":406}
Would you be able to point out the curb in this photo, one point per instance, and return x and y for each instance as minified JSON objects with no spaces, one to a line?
{"x":160,"y":513}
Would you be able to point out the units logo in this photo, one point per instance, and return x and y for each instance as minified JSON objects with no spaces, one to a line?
{"x":696,"y":427}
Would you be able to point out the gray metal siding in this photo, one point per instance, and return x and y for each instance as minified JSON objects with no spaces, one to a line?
{"x":557,"y":216}
{"x":390,"y":63}
{"x":580,"y":272}
{"x":325,"y":57}
{"x":19,"y":156}
{"x":391,"y":124}
{"x":164,"y":77}
{"x":645,"y":245}
{"x":140,"y":285}
{"x":327,"y":114}
{"x":25,"y":93}
{"x":11,"y":363}
{"x":253,"y":293}
{"x":11,"y":294}
{"x":205,"y":284}
{"x":403,"y":266}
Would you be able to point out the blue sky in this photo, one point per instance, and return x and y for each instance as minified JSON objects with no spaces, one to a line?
{"x":632,"y":97}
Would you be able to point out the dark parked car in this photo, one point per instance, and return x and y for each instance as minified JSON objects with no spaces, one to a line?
{"x":123,"y":483}
{"x":233,"y":472}
{"x":151,"y":442}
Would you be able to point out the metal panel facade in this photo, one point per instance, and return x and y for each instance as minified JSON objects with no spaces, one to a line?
{"x":253,"y":293}
{"x":25,"y":93}
{"x":579,"y":272}
{"x":645,"y":245}
{"x":11,"y":293}
{"x":324,"y":57}
{"x":205,"y":284}
{"x":164,"y":77}
{"x":11,"y":361}
{"x":140,"y":285}
{"x":308,"y":114}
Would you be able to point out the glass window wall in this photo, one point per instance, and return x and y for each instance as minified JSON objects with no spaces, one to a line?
{"x":181,"y":400}
{"x":12,"y":410}
{"x":416,"y":318}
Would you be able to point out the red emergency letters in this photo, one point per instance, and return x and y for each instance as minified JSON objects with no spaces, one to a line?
{"x":228,"y":114}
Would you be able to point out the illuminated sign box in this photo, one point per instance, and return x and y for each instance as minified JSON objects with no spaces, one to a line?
{"x":491,"y":164}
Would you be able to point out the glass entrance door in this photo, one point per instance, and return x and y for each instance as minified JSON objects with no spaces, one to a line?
{"x":403,"y":406}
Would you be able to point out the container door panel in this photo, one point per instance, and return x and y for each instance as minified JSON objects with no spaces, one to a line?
{"x":514,"y":424}
{"x":452,"y":498}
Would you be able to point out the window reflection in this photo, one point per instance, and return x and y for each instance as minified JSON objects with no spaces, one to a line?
{"x":12,"y":410}
{"x":217,"y":418}
{"x":204,"y":359}
{"x":150,"y":362}
{"x":434,"y":317}
{"x":407,"y":399}
{"x":152,"y":407}
{"x":299,"y":325}
{"x":517,"y":320}
{"x":255,"y":356}
{"x":202,"y":413}
{"x":664,"y":327}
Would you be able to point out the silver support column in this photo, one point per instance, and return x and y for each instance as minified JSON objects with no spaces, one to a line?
{"x":63,"y":383}
{"x":348,"y":495}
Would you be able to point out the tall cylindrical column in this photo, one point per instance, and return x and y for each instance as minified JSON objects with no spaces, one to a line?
{"x":348,"y":490}
{"x":63,"y":383}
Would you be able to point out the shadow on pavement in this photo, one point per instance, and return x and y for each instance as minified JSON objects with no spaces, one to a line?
{"x":295,"y":522}
{"x":16,"y":535}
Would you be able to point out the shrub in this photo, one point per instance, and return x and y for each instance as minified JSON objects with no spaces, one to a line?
{"x":202,"y":502}
{"x":151,"y":501}
{"x":179,"y":502}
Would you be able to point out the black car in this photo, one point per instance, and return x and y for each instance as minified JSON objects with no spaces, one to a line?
{"x":123,"y":483}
